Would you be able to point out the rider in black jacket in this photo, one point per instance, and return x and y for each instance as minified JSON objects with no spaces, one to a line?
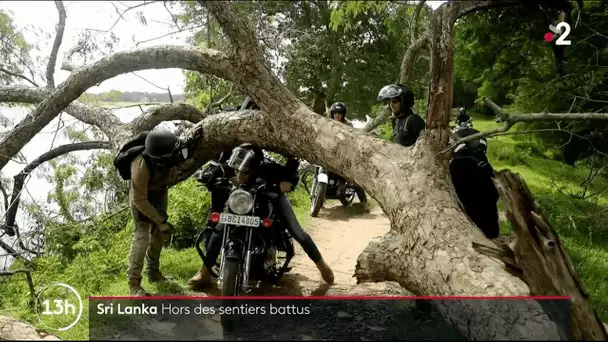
{"x":472,"y":176}
{"x":337,"y":111}
{"x":407,"y":125}
{"x":280,"y":179}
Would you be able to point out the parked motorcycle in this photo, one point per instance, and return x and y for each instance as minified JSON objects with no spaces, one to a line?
{"x":253,"y":236}
{"x":328,"y":185}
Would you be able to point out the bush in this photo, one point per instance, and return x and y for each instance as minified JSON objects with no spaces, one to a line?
{"x":188,"y":205}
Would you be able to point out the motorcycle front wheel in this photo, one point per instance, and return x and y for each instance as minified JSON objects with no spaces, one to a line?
{"x":230,"y":288}
{"x":317,"y":198}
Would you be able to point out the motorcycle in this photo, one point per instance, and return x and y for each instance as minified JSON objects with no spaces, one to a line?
{"x":327,"y":185}
{"x":253,"y":236}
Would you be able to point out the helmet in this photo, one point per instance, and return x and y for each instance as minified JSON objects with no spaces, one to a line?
{"x":161,"y":144}
{"x":249,"y":104}
{"x":338,"y":107}
{"x":245,"y":158}
{"x":397,"y":91}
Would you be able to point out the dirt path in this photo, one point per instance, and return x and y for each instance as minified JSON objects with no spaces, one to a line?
{"x":341,"y":234}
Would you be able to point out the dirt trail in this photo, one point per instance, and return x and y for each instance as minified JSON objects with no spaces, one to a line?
{"x":341,"y":234}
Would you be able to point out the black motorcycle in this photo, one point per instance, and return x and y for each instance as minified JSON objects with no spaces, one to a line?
{"x":253,"y":237}
{"x":328,"y":185}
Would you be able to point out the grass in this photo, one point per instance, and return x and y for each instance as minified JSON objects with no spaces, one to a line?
{"x":581,"y":224}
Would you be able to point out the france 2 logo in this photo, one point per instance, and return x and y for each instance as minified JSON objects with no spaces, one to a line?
{"x":557,"y":31}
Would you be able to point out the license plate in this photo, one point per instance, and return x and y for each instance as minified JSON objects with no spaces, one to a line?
{"x":239,"y":220}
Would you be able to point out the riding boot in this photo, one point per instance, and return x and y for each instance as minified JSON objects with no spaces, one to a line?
{"x":135,"y":288}
{"x":201,"y":279}
{"x":326,"y":272}
{"x":366,"y":207}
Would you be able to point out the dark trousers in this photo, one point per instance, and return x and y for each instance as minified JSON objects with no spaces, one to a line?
{"x":284,"y":208}
{"x":358,"y":190}
{"x":478,"y":195}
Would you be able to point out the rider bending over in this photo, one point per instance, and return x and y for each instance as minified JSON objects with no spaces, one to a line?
{"x":472,"y":176}
{"x":337,"y":111}
{"x":281,"y":179}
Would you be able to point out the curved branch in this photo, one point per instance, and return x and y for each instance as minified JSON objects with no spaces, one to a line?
{"x":9,"y":225}
{"x":100,"y":117}
{"x":161,"y":57}
{"x":50,"y":68}
{"x":154,"y":116}
{"x":407,"y":63}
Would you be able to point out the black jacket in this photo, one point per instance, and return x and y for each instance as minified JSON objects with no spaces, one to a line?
{"x":274,"y":173}
{"x":474,"y":150}
{"x":219,"y":193}
{"x":407,"y":128}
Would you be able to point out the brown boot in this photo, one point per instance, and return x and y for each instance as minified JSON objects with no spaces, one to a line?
{"x":326,"y":272}
{"x":135,"y":288}
{"x":201,"y":279}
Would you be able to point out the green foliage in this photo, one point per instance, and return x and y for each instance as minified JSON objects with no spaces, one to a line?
{"x":14,"y":51}
{"x":188,"y":205}
{"x":518,"y":70}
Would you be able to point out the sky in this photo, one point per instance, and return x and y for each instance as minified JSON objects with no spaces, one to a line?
{"x":101,"y":15}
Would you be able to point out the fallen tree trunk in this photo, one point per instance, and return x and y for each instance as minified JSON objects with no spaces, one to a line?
{"x":430,"y":247}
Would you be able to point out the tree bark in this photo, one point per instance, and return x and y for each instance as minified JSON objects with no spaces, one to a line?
{"x":50,"y":68}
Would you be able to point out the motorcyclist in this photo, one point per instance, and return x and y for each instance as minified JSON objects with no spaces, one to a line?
{"x":472,"y":176}
{"x":279,"y":178}
{"x":407,"y":125}
{"x":338,"y":111}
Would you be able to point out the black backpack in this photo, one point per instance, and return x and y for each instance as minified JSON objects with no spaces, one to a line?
{"x":128,"y":152}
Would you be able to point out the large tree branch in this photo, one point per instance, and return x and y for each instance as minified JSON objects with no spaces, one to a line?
{"x":161,"y":57}
{"x":154,"y":116}
{"x":50,"y":68}
{"x":510,"y":120}
{"x":19,"y":179}
{"x":239,"y":32}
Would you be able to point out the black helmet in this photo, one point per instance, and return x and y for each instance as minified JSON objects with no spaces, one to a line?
{"x":246,"y":158}
{"x":397,"y":91}
{"x":161,"y":144}
{"x":338,"y":107}
{"x":249,"y":104}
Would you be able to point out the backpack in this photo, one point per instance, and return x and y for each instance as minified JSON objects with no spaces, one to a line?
{"x":128,"y":152}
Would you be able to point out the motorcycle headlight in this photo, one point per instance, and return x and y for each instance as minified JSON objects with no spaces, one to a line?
{"x":240,"y":202}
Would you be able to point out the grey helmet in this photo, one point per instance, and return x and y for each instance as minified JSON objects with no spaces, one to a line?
{"x":397,"y":91}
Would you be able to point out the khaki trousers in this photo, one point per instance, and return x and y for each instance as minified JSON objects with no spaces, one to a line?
{"x":144,"y":244}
